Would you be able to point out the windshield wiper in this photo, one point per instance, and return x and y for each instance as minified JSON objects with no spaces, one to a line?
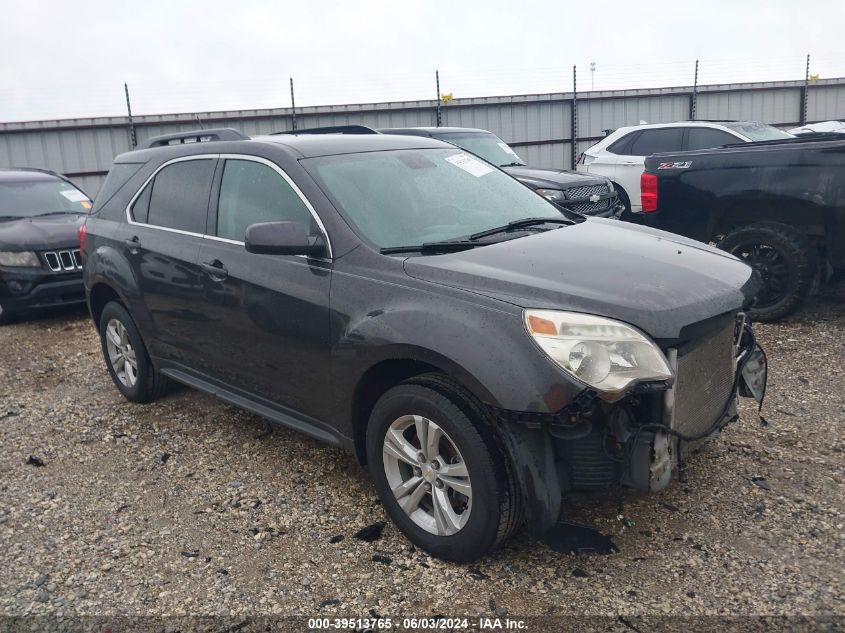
{"x":68,"y":212}
{"x":431,"y":247}
{"x":513,"y":165}
{"x":519,"y":224}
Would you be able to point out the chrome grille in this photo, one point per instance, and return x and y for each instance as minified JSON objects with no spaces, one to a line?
{"x":63,"y":261}
{"x":704,"y":381}
{"x":590,"y":207}
{"x":573,"y":193}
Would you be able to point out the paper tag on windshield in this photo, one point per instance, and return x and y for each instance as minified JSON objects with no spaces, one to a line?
{"x":469,"y":164}
{"x":508,"y":149}
{"x":74,"y":195}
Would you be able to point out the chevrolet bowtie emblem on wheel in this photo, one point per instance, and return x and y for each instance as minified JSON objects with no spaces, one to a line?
{"x":595,"y":198}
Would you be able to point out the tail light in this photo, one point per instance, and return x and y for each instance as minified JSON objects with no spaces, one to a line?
{"x":82,"y":233}
{"x":648,"y":191}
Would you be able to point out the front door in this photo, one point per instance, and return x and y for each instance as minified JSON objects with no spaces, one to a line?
{"x":268,"y":315}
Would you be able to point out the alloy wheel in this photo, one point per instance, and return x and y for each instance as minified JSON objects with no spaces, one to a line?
{"x":771,"y":264}
{"x":427,"y":474}
{"x":122,"y":356}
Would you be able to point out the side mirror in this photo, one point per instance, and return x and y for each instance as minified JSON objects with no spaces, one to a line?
{"x":283,"y":238}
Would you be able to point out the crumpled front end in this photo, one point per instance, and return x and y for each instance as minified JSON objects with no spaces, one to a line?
{"x":637,"y":441}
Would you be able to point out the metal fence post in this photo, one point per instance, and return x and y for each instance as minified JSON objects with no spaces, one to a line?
{"x":805,"y":92}
{"x":573,"y":156}
{"x":693,"y":98}
{"x":133,"y":140}
{"x":292,"y":105}
{"x":438,"y":112}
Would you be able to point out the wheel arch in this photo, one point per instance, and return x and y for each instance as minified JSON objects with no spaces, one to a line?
{"x":99,"y":296}
{"x":389,"y":371}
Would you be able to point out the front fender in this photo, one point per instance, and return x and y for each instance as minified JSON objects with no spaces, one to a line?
{"x":485,"y":348}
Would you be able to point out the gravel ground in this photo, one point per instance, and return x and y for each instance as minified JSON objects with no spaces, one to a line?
{"x":190,"y":506}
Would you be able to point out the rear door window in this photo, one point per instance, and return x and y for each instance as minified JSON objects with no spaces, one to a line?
{"x":252,"y":193}
{"x":704,"y":138}
{"x":179,"y":196}
{"x":653,"y":141}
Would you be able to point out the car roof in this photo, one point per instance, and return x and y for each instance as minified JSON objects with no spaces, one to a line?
{"x":301,"y":145}
{"x":312,"y":145}
{"x":431,"y":131}
{"x":25,"y":174}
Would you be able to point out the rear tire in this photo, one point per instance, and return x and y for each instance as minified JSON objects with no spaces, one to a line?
{"x":6,"y":316}
{"x":126,"y":357}
{"x":783,"y":257}
{"x":489,"y":509}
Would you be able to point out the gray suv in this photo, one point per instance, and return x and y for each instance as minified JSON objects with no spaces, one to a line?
{"x":473,"y":344}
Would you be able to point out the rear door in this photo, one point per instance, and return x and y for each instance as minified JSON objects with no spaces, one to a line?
{"x":268,"y":315}
{"x":630,"y":164}
{"x":167,"y":219}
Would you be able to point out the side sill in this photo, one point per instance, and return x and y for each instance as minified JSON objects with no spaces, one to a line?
{"x":254,"y":406}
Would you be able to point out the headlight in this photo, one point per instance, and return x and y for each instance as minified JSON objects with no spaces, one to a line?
{"x":19,"y":258}
{"x":554,"y":195}
{"x":607,"y":355}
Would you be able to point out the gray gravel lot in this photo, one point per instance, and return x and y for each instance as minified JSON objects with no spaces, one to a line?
{"x":191,"y":506}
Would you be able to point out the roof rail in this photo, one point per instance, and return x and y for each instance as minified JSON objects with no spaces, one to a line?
{"x":196,"y":136}
{"x":333,"y":129}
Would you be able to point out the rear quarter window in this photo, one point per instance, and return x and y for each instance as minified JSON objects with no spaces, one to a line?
{"x":622,"y":147}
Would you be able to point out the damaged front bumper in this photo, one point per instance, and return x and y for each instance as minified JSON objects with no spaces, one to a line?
{"x":640,"y":440}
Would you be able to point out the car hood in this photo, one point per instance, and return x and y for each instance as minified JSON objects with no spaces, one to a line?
{"x":657,"y":281}
{"x":33,"y":234}
{"x":552,"y":178}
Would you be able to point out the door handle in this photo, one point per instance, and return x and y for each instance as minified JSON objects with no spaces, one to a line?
{"x":216,"y":270}
{"x":133,"y":243}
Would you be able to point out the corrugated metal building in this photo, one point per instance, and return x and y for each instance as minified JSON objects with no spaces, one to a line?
{"x":540,"y":125}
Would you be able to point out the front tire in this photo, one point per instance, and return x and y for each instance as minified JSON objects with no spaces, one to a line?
{"x":126,"y":357}
{"x":783,"y":257}
{"x":440,"y":470}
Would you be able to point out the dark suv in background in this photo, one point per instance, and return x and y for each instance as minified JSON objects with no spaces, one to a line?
{"x":40,"y":263}
{"x":470,"y":342}
{"x":589,"y":195}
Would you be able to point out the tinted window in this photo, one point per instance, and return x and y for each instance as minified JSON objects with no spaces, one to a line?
{"x":622,"y":147}
{"x":251,"y":193}
{"x":702,"y":138}
{"x":667,"y":139}
{"x":141,"y":207}
{"x":179,"y":198}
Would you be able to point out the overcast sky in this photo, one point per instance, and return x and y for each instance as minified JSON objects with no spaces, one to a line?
{"x":70,"y":59}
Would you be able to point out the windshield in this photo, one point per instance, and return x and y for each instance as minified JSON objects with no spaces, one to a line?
{"x":759,"y":131}
{"x":409,"y":197}
{"x":24,"y":199}
{"x":484,"y":144}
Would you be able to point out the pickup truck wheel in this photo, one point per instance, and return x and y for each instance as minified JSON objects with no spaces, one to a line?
{"x":126,"y":357}
{"x":784,"y":259}
{"x":443,"y":478}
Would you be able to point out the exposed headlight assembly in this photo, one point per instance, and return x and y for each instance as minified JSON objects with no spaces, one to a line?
{"x":19,"y":258}
{"x":607,"y":355}
{"x":553,"y":195}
